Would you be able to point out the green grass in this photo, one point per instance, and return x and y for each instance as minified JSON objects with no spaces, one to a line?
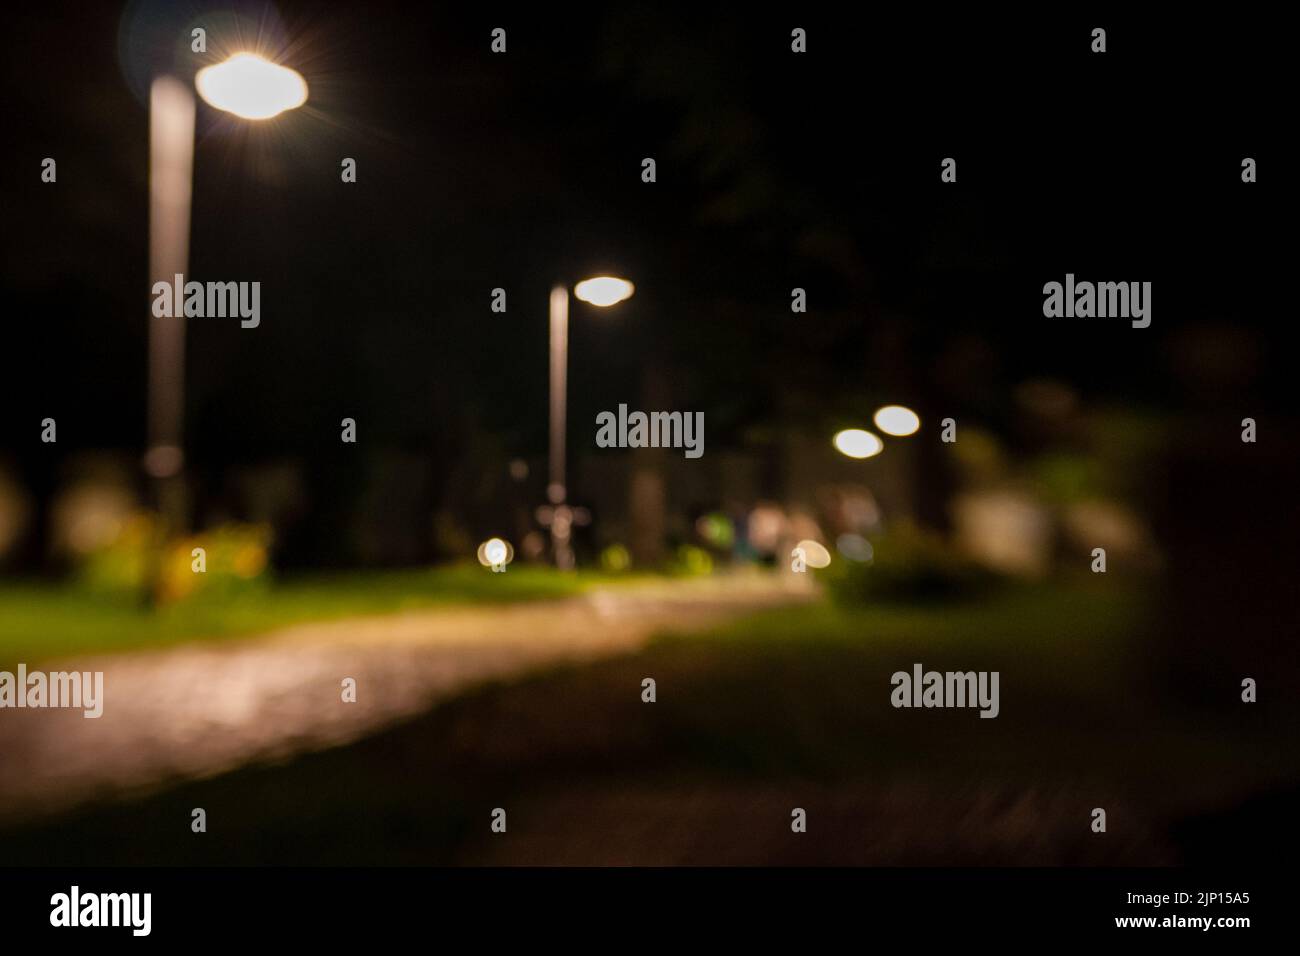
{"x":785,"y":708}
{"x":39,"y":621}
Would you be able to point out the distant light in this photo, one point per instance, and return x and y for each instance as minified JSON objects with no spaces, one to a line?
{"x":854,"y":547}
{"x":495,"y":552}
{"x":814,"y":554}
{"x":858,"y":443}
{"x":603,"y":290}
{"x":534,"y":545}
{"x":251,"y":87}
{"x":765,"y":526}
{"x":897,"y":420}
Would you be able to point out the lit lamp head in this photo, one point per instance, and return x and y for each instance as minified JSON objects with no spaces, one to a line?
{"x":858,"y":443}
{"x":495,"y":553}
{"x":603,"y":290}
{"x":897,"y":420}
{"x":251,"y":87}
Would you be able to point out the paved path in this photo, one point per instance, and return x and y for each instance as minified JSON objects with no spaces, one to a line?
{"x":201,"y":709}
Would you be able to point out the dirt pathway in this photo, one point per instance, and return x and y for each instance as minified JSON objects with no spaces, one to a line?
{"x":205,"y":708}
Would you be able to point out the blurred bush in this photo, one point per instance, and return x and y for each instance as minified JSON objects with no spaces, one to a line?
{"x":690,"y":561}
{"x":908,"y":564}
{"x":120,"y":565}
{"x":234,"y":561}
{"x":716,"y":530}
{"x":1062,"y":478}
{"x":615,"y":559}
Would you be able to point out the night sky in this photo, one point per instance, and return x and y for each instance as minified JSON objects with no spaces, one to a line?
{"x":775,"y":170}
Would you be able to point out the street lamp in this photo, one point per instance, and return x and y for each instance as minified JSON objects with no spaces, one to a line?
{"x":171,"y":159}
{"x":602,"y":291}
{"x":897,"y":420}
{"x":858,"y":443}
{"x":250,"y":87}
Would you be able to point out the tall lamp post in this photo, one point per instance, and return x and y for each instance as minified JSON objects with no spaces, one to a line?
{"x":171,"y":180}
{"x":601,"y":291}
{"x":249,"y":87}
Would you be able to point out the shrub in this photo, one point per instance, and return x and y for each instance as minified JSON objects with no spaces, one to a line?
{"x":235,"y":559}
{"x":908,"y":564}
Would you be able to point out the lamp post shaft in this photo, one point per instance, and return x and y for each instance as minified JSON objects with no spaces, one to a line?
{"x":171,"y":166}
{"x":556,"y":491}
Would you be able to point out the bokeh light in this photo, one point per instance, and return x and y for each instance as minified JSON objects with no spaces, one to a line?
{"x":495,"y":552}
{"x":897,"y":420}
{"x":858,"y":443}
{"x":815,"y":554}
{"x":854,"y":547}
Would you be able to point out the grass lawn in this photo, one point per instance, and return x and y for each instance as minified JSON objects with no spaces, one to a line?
{"x":786,"y":709}
{"x":45,"y":621}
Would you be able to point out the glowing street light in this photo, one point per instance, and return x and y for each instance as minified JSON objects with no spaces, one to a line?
{"x":602,"y":291}
{"x":857,"y":443}
{"x":251,"y":87}
{"x":248,"y":86}
{"x":897,"y":421}
{"x":495,"y":553}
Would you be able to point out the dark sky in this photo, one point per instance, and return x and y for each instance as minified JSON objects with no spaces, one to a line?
{"x":774,"y":170}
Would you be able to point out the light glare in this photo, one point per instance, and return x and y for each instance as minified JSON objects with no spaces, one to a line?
{"x":603,"y":290}
{"x":495,"y":553}
{"x":251,"y":87}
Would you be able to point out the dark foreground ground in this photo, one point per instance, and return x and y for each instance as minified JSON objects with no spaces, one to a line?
{"x":786,"y":709}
